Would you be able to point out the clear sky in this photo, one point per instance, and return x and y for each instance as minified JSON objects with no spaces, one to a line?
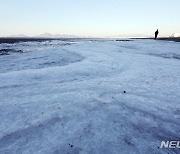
{"x":99,"y":18}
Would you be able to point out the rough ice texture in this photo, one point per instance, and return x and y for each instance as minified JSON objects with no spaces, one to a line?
{"x":89,"y":96}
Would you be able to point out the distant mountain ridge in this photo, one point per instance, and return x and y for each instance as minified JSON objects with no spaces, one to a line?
{"x":45,"y":35}
{"x":19,"y":36}
{"x":48,"y":35}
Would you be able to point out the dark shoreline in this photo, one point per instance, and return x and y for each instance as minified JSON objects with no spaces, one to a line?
{"x":13,"y":40}
{"x":17,"y":40}
{"x":175,"y":39}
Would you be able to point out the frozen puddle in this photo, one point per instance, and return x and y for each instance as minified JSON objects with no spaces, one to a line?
{"x":38,"y":60}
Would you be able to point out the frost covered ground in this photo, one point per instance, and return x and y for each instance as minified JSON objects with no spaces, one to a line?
{"x":89,"y":96}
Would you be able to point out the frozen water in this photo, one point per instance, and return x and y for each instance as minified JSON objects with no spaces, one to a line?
{"x":68,"y":96}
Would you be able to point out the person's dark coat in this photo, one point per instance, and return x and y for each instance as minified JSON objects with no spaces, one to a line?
{"x":156,"y":34}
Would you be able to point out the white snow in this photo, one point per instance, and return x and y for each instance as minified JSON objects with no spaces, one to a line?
{"x":68,"y":97}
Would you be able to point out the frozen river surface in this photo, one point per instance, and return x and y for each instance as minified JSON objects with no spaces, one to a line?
{"x":89,"y":96}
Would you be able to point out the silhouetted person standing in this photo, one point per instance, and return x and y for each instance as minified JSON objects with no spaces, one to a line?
{"x":156,"y":34}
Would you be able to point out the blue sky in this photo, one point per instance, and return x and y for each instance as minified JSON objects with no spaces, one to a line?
{"x":99,"y":18}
